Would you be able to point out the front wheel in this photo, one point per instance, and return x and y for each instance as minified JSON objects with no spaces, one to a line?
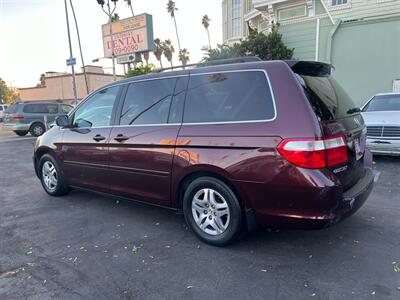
{"x":212,"y":211}
{"x":51,"y":176}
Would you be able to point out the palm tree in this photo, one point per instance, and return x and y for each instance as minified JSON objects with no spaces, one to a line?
{"x":184,"y":56}
{"x":158,"y":50}
{"x":169,"y":50}
{"x":171,"y":8}
{"x":146,"y":57}
{"x":115,"y":17}
{"x":129,"y":2}
{"x":206,"y":23}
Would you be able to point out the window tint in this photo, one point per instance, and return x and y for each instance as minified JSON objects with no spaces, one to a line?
{"x":227,"y":97}
{"x":148,"y":102}
{"x":65,"y":109}
{"x":97,"y":110}
{"x":41,"y":108}
{"x":1,"y":108}
{"x":12,"y":108}
{"x":384,"y":103}
{"x":176,"y":111}
{"x":328,"y":99}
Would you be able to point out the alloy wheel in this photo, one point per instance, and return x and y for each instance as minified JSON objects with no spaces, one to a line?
{"x":49,"y":174}
{"x":210,"y":211}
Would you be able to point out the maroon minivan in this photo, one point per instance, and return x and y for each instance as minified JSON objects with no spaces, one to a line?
{"x":232,"y":145}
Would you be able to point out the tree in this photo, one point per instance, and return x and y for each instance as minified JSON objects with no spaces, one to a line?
{"x":266,"y":47}
{"x":145,"y":69}
{"x":206,"y":23}
{"x":158,"y":50}
{"x":184,"y":56}
{"x":115,"y":17}
{"x":146,"y":56}
{"x":171,"y":8}
{"x":129,"y":2}
{"x":8,"y":94}
{"x":42,"y":80}
{"x":168,"y":50}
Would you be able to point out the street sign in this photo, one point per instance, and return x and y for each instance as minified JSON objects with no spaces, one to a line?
{"x":71,"y":61}
{"x":125,"y":59}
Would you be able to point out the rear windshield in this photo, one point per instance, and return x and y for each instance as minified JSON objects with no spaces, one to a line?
{"x":384,"y":103}
{"x":12,"y":108}
{"x":328,"y":99}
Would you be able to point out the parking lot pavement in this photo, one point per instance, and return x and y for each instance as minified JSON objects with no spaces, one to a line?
{"x":90,"y":246}
{"x":6,"y":135}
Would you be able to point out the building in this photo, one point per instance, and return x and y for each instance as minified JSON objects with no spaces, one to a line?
{"x":58,"y":86}
{"x":361,"y":38}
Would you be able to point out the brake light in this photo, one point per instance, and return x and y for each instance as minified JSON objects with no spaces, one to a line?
{"x":315,"y":153}
{"x":17,"y":117}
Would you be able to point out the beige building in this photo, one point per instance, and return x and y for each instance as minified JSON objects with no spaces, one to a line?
{"x":58,"y":86}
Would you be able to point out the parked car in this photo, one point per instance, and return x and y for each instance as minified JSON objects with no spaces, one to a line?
{"x":33,"y":117}
{"x":3,"y":108}
{"x":382,"y":117}
{"x":230,"y":145}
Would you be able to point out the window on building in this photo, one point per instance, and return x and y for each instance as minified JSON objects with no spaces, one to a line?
{"x":148,"y":102}
{"x":220,"y":97}
{"x":292,"y":12}
{"x":236,"y":18}
{"x":338,"y":2}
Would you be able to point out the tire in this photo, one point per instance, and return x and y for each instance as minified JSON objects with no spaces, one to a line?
{"x":21,"y":132}
{"x":217,"y":222}
{"x":52,"y":180}
{"x":37,"y":129}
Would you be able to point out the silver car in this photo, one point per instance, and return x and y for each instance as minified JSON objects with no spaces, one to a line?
{"x":33,"y":117}
{"x":3,"y":108}
{"x":382,"y":117}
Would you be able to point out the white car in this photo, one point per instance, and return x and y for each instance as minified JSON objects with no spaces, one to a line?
{"x":3,"y":108}
{"x":382,"y":117}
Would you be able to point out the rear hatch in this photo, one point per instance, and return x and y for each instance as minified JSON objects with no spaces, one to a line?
{"x":337,"y":114}
{"x":8,"y":115}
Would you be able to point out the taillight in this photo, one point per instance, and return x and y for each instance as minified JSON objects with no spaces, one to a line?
{"x":17,"y":117}
{"x":315,"y":153}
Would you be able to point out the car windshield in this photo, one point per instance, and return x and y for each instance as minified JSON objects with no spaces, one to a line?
{"x":384,"y":103}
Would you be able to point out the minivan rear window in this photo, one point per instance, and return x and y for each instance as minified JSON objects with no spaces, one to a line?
{"x":12,"y":108}
{"x":228,"y":97}
{"x":328,"y":99}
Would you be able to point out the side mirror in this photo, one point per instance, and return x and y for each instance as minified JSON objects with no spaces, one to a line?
{"x":62,"y":121}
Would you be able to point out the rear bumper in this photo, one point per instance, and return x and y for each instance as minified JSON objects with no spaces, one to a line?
{"x":346,"y":204}
{"x":15,"y":127}
{"x":384,"y":146}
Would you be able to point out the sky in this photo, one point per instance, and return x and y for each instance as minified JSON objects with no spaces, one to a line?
{"x":34,"y":33}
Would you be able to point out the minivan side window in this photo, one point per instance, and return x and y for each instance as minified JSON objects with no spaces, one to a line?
{"x":97,"y":110}
{"x":40,"y":108}
{"x":148,"y":102}
{"x":229,"y":97}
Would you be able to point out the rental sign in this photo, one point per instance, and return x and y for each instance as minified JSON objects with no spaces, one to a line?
{"x":131,"y":35}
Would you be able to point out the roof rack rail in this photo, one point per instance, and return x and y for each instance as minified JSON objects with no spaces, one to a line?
{"x":217,"y":62}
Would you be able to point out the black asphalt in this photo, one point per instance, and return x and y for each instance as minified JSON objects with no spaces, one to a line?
{"x":86,"y":246}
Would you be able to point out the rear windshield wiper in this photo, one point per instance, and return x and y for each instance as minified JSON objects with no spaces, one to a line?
{"x":353,"y":110}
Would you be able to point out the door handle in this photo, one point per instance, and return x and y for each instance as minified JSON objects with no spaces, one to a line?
{"x":121,"y":138}
{"x":99,"y":138}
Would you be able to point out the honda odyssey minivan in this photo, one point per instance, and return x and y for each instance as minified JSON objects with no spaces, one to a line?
{"x":231,"y":145}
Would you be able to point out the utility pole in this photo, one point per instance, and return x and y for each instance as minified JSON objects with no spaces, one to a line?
{"x":71,"y":56}
{"x":109,"y":12}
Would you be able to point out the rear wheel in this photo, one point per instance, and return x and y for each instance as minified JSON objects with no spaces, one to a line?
{"x":212,"y":211}
{"x":51,"y":177}
{"x":21,"y":132}
{"x":37,"y":129}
